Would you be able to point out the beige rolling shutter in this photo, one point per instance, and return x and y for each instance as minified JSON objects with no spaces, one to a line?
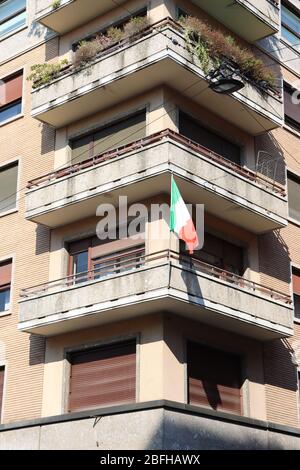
{"x":1,"y":388}
{"x":214,"y":378}
{"x":102,"y":377}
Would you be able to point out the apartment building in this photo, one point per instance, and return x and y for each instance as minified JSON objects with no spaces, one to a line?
{"x":107,"y":99}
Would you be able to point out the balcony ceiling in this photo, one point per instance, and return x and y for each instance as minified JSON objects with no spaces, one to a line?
{"x":74,"y":13}
{"x":166,"y":71}
{"x":250,"y":20}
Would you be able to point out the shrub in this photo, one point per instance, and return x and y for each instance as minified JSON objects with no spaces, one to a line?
{"x":135,"y":25}
{"x":41,"y":74}
{"x":211,"y":46}
{"x":88,"y":50}
{"x":55,"y":4}
{"x":115,"y":34}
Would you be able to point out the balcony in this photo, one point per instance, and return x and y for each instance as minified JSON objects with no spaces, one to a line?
{"x":249,"y":19}
{"x":71,"y":13}
{"x":162,"y":281}
{"x":134,"y":66}
{"x":228,"y":191}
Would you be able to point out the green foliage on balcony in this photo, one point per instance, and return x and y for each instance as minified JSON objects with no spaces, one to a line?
{"x":210,"y":46}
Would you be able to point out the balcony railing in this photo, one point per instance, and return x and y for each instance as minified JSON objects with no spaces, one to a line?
{"x":138,"y":259}
{"x":138,"y":144}
{"x":148,"y":30}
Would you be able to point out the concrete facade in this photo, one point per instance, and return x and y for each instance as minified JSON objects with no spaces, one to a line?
{"x":160,"y":426}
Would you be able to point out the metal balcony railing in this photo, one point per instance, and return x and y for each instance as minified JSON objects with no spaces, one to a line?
{"x":137,"y":259}
{"x":154,"y":138}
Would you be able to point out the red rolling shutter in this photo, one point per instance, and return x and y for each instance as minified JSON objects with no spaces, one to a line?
{"x":11,"y":89}
{"x":214,"y":378}
{"x":1,"y":388}
{"x":103,"y":377}
{"x":5,"y":273}
{"x":296,"y":282}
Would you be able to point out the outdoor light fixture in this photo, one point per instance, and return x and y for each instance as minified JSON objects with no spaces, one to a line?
{"x":226,"y":86}
{"x":225,"y":79}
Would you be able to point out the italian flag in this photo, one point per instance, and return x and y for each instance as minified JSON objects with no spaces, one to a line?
{"x":181,"y":222}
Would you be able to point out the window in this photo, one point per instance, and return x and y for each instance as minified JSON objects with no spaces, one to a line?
{"x":11,"y":96}
{"x":214,"y":378}
{"x":193,"y":130}
{"x":291,"y":109}
{"x":296,"y":291}
{"x":92,"y":258}
{"x":294,"y":196}
{"x":1,"y":388}
{"x":104,"y":376}
{"x":5,"y":285}
{"x":290,"y":27}
{"x":12,"y":15}
{"x":8,"y":187}
{"x":221,"y":254}
{"x":114,"y":135}
{"x":118,"y":24}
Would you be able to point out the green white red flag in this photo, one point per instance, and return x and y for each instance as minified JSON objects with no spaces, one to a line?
{"x":181,"y":222}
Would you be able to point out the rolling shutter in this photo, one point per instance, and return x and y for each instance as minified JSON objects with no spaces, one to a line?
{"x":5,"y":273}
{"x":193,"y":130}
{"x":214,"y":378}
{"x":104,"y":376}
{"x":1,"y":388}
{"x":296,"y":282}
{"x":114,"y":135}
{"x":11,"y":89}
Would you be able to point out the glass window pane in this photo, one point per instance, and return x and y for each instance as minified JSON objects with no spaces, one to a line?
{"x":10,"y":111}
{"x":294,"y":198}
{"x":9,"y":7}
{"x":290,"y":19}
{"x":297,"y":306}
{"x":12,"y":24}
{"x":81,"y":263}
{"x":8,"y":187}
{"x":4,"y":300}
{"x":291,"y":38}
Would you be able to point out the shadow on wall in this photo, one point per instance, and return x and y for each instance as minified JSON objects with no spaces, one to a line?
{"x":190,"y":432}
{"x":280,"y":371}
{"x":274,"y":260}
{"x":42,"y":244}
{"x":270,"y":158}
{"x":36,"y":350}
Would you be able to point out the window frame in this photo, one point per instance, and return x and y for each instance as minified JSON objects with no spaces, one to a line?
{"x":295,"y":269}
{"x":22,"y":72}
{"x":4,"y":260}
{"x":69,"y":350}
{"x":4,"y":368}
{"x":244,"y":390}
{"x":102,"y":127}
{"x":9,"y":163}
{"x":92,"y":261}
{"x":290,"y":30}
{"x":13,"y":15}
{"x":288,"y":121}
{"x":296,"y":177}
